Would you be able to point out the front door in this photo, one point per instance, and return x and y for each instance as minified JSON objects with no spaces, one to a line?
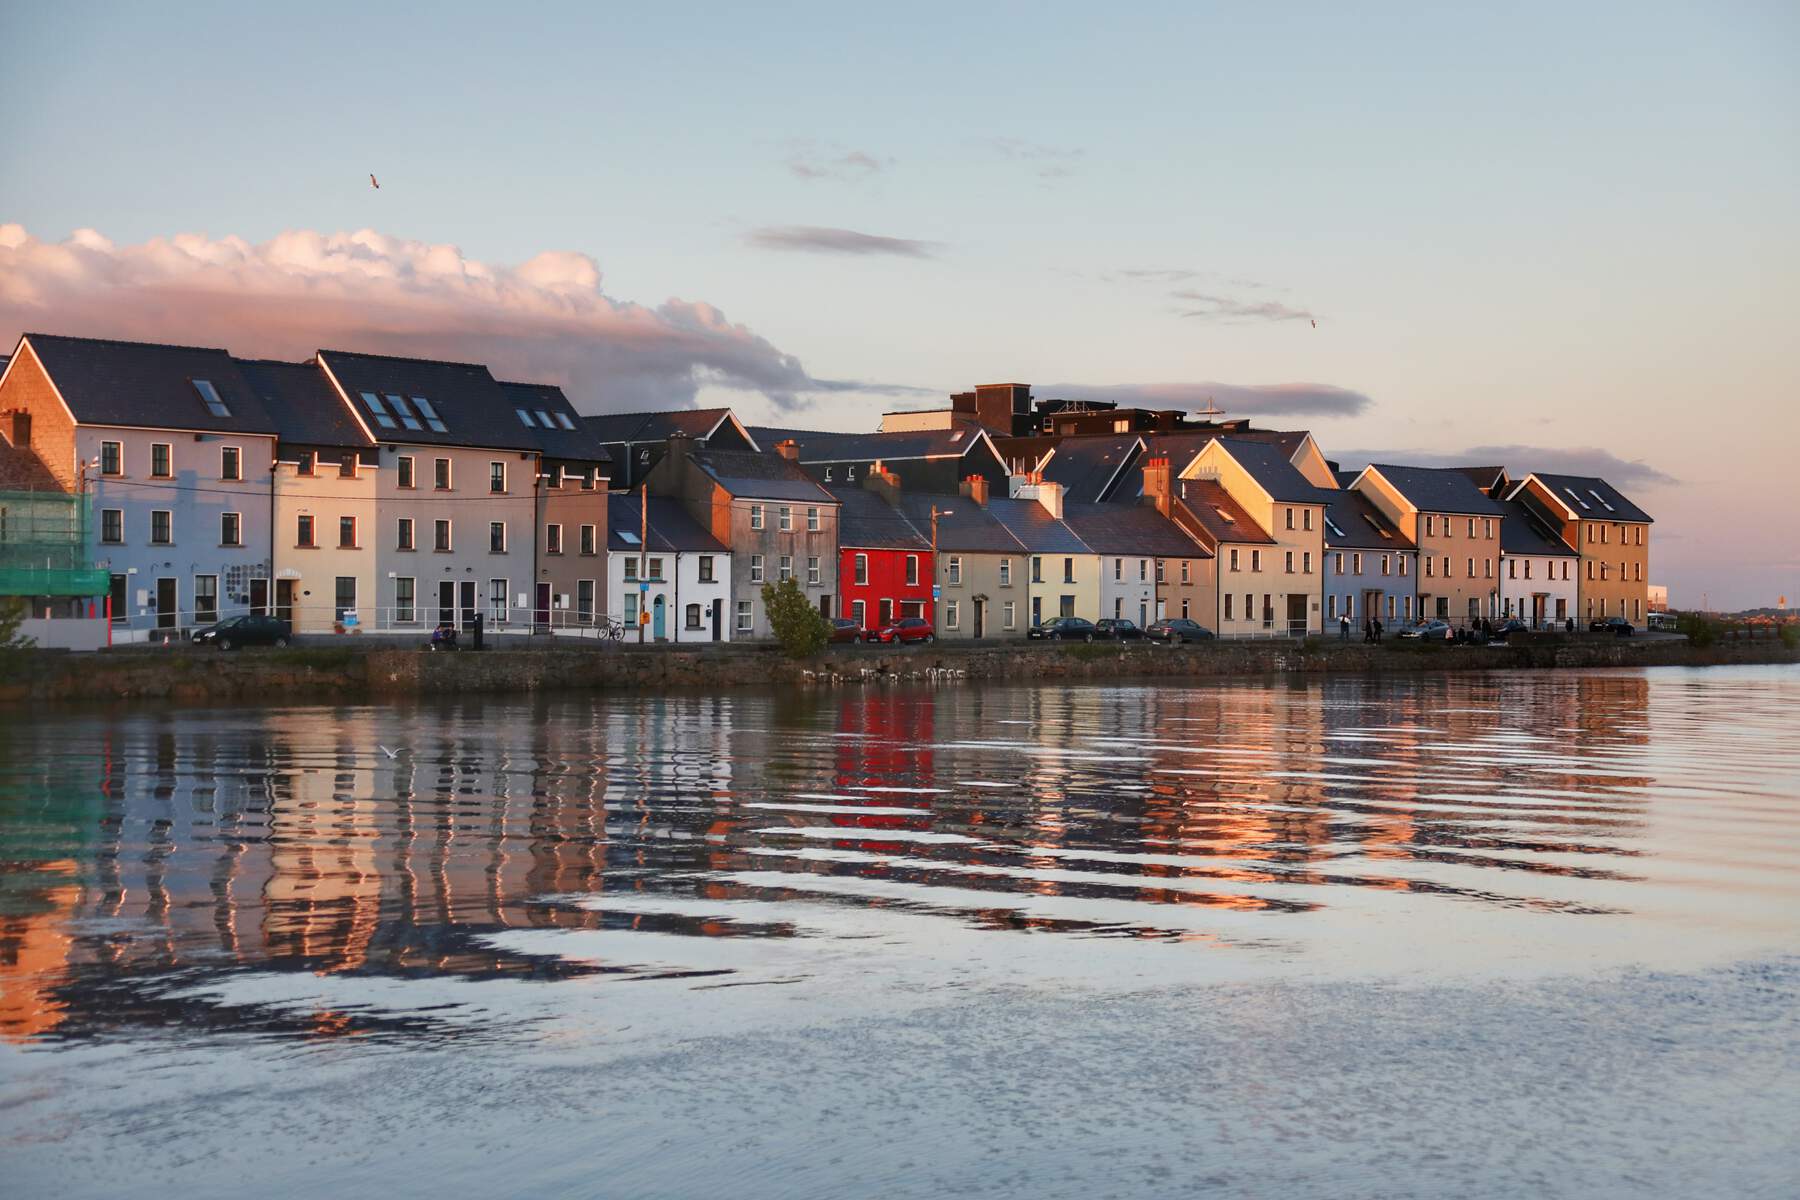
{"x":1296,"y":613}
{"x":120,"y":610}
{"x":284,"y":601}
{"x":659,"y":614}
{"x":543,"y":606}
{"x":466,"y":589}
{"x":980,"y":618}
{"x":166,"y":602}
{"x":259,"y":597}
{"x":446,"y":602}
{"x":717,"y":608}
{"x":825,"y":607}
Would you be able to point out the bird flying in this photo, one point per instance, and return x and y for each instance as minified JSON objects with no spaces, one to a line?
{"x":372,"y":182}
{"x":1315,"y":323}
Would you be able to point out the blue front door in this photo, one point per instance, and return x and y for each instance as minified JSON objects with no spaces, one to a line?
{"x":656,"y":617}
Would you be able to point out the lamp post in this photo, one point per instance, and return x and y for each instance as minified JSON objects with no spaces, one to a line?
{"x":936,"y":512}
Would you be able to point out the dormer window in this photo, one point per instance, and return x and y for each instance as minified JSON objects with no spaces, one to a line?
{"x":209,"y":396}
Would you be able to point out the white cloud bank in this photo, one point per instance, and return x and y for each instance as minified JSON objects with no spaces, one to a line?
{"x":544,"y":320}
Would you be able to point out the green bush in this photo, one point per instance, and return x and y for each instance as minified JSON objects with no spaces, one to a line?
{"x":12,"y":613}
{"x":798,"y":626}
{"x":1699,"y":630}
{"x":1790,"y":635}
{"x":1083,"y":652}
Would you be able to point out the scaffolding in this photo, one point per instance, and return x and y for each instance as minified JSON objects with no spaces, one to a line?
{"x":44,"y":546}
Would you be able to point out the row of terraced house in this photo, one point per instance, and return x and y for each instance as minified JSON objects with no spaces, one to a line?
{"x":358,"y":492}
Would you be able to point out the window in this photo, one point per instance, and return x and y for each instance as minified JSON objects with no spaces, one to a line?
{"x":206,"y":599}
{"x":1306,"y":562}
{"x":231,"y":529}
{"x":1446,"y":566}
{"x":693,"y":616}
{"x":405,"y":589}
{"x":303,"y":532}
{"x":1268,"y":620}
{"x":1471,"y":569}
{"x":1228,"y":615}
{"x":953,"y":570}
{"x":1471,"y":527}
{"x":429,"y":411}
{"x":584,"y":603}
{"x":496,"y":477}
{"x":1068,"y":570}
{"x":1403,"y":566}
{"x":1430,"y":525}
{"x":1184,"y":608}
{"x":912,"y":570}
{"x":1487,"y":568}
{"x":403,"y":534}
{"x":587,"y":539}
{"x":544,"y":419}
{"x":756,"y":516}
{"x":231,"y":462}
{"x":631,"y":568}
{"x":812,"y":569}
{"x":756,"y":568}
{"x":1187,"y":574}
{"x":1118,"y":569}
{"x":827,"y":474}
{"x":112,"y":525}
{"x":524,"y":417}
{"x":1356,"y":563}
{"x":1637,"y":572}
{"x":498,"y":608}
{"x":706,"y":568}
{"x":1037,"y":568}
{"x":952,"y":614}
{"x":1639,"y":531}
{"x":346,"y":533}
{"x":1550,"y":573}
{"x":347,"y":465}
{"x":1006,"y":572}
{"x":496,"y":537}
{"x":812,"y":520}
{"x":1384,"y":564}
{"x":1429,"y":571}
{"x":1007,"y":613}
{"x":1487,"y":528}
{"x":631,"y":608}
{"x":440,"y":536}
{"x":1337,"y":563}
{"x":440,"y":478}
{"x":307,"y":463}
{"x":655,"y":564}
{"x":859,"y":612}
{"x":1290,"y":517}
{"x":405,"y":466}
{"x":1288,"y":561}
{"x":379,"y":411}
{"x":209,"y":396}
{"x":861,"y":567}
{"x":1161,"y":572}
{"x":162,"y":527}
{"x":112,"y":459}
{"x":159,"y":461}
{"x":1234,"y":559}
{"x":1306,"y":518}
{"x":744,"y":616}
{"x":1256,"y":560}
{"x":343,"y":597}
{"x":1512,"y":568}
{"x":785,"y":568}
{"x":1331,"y":608}
{"x":784,"y":519}
{"x":553,"y":539}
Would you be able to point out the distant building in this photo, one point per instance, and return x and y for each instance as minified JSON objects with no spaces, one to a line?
{"x":1658,"y":598}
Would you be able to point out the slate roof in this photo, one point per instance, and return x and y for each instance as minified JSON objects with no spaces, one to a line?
{"x":1086,"y":465}
{"x":1267,"y":463}
{"x":1129,"y":529}
{"x":305,"y":406}
{"x":1440,"y":490}
{"x":672,"y":527}
{"x":754,"y":476}
{"x":866,"y":521}
{"x":1221,"y":516}
{"x":1035,"y":529}
{"x":577,"y":443}
{"x":1182,"y":446}
{"x":149,"y":385}
{"x":474,"y":409}
{"x":1524,"y":532}
{"x":1361,"y":522}
{"x":822,"y":446}
{"x":1585,"y":488}
{"x":1484,"y":477}
{"x":969,"y":528}
{"x":656,"y":426}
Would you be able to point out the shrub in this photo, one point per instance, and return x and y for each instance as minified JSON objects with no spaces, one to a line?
{"x":798,"y":626}
{"x":1085,"y":653}
{"x":12,"y":613}
{"x":1790,"y":635}
{"x":1699,"y":630}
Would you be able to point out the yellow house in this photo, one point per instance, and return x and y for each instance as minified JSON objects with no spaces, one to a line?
{"x":1456,"y":527}
{"x":1608,"y":531}
{"x":1062,"y":572}
{"x":1289,"y":510}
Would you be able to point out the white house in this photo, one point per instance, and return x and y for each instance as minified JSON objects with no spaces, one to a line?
{"x":1539,"y":572}
{"x":668,"y":570}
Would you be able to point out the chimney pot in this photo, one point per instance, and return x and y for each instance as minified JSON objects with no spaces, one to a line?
{"x":789,"y":449}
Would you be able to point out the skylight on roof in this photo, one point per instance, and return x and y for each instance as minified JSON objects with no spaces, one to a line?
{"x":1577,"y":499}
{"x":562,"y":418}
{"x":628,"y":537}
{"x":1224,"y":516}
{"x":544,"y":417}
{"x":209,"y":396}
{"x":1377,"y":527}
{"x":430,"y":414}
{"x":373,"y":403}
{"x":524,"y":418}
{"x":398,"y":403}
{"x":1601,"y":499}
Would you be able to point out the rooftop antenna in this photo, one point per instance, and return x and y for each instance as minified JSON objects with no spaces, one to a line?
{"x":1211,"y":410}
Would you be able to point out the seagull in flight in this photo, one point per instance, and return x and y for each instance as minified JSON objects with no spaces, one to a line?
{"x":372,"y":182}
{"x":386,"y":751}
{"x":1315,"y":323}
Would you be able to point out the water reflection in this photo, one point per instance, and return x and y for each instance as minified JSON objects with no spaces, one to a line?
{"x":151,"y":860}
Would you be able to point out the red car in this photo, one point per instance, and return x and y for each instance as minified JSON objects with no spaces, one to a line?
{"x":906,"y":629}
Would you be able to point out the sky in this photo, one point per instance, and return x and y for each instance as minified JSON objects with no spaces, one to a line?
{"x":1546,"y":236}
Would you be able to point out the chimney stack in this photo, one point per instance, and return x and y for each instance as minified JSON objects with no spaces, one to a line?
{"x":789,"y":449}
{"x":975,"y":487}
{"x":1159,"y":483}
{"x":678,"y":447}
{"x":883,"y":483}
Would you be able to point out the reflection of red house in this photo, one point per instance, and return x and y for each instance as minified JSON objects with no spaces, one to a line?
{"x":898,"y":730}
{"x":884,"y":560}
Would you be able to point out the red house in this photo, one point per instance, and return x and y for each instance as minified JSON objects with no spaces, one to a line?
{"x":884,"y":560}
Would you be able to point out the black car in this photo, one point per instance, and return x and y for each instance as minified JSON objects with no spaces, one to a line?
{"x":1118,"y":629}
{"x":1176,"y":630}
{"x":233,"y":632}
{"x":1508,"y":627}
{"x":1063,"y":629}
{"x":1614,"y":625}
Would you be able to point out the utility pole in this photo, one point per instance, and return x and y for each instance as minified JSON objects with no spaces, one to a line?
{"x":935,"y":514}
{"x":643,"y":557}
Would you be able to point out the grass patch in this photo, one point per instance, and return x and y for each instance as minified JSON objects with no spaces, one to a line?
{"x":1085,"y":652}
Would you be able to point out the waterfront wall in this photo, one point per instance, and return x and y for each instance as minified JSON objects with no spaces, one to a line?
{"x":187,"y":675}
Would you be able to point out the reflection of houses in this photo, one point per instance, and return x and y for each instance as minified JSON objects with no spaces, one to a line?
{"x":668,"y":568}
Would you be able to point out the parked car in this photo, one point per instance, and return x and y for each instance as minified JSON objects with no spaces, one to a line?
{"x":1614,"y":625}
{"x":906,"y":629}
{"x":843,"y":629}
{"x":1508,"y":627}
{"x":1118,"y":629}
{"x":1176,"y":630}
{"x":1063,"y":629}
{"x":233,"y":632}
{"x":1432,"y":630}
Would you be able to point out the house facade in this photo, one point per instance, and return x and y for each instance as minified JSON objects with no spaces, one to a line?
{"x":1539,"y":572}
{"x":1287,"y":508}
{"x":884,"y":559}
{"x":1370,"y":565}
{"x":1062,"y":572}
{"x":980,"y":567}
{"x":1144,"y":558}
{"x":1456,"y":527}
{"x":571,"y":586}
{"x":671,"y":578}
{"x":929,"y":460}
{"x":1609,"y":532}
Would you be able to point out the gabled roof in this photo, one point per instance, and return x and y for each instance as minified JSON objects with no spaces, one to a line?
{"x":1182,"y":446}
{"x":150,"y":385}
{"x":964,"y":527}
{"x":1039,"y":532}
{"x":471,"y":408}
{"x":866,"y":521}
{"x":565,"y":436}
{"x":1485,"y":478}
{"x":1523,"y":531}
{"x":1591,"y":498}
{"x":753,"y":476}
{"x":819,"y":446}
{"x":1223,"y":518}
{"x":1269,"y":465}
{"x":697,"y":423}
{"x":306,"y":408}
{"x":672,"y":528}
{"x":1089,"y":467}
{"x":1129,"y":529}
{"x":1439,"y":490}
{"x":1353,"y":522}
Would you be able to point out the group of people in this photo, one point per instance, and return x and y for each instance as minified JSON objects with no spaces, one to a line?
{"x":1371,"y":628}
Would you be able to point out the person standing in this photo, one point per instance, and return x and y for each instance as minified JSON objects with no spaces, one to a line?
{"x":1344,"y":628}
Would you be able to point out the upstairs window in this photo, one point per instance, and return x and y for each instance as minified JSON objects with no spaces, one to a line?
{"x":429,"y":411}
{"x":231,"y":463}
{"x":441,"y":474}
{"x":403,"y":411}
{"x":405,"y":468}
{"x":812,"y":520}
{"x":111,"y":459}
{"x":496,"y":477}
{"x":379,"y":411}
{"x":209,"y":396}
{"x":159,"y":461}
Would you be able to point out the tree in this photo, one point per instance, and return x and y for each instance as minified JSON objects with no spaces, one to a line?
{"x":798,"y":626}
{"x":12,"y":612}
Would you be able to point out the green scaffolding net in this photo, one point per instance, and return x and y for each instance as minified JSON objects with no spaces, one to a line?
{"x":44,"y":546}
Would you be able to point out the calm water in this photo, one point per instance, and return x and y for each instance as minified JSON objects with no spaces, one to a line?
{"x":1509,"y":935}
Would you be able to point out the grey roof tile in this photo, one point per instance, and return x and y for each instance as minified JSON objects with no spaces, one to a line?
{"x":1440,"y":490}
{"x":1596,"y":494}
{"x":150,"y":385}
